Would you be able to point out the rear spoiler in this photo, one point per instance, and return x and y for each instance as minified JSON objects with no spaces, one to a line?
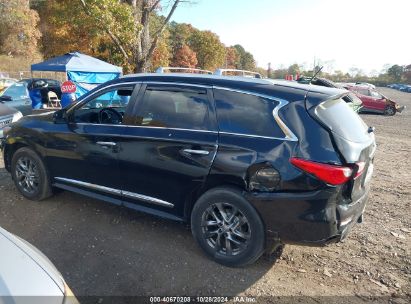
{"x":314,"y":98}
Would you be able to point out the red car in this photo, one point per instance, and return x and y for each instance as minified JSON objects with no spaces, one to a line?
{"x":372,"y":101}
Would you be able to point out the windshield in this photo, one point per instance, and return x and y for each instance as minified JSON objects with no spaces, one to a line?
{"x":16,"y":91}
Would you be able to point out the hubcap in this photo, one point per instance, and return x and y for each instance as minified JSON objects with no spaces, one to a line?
{"x":27,"y":174}
{"x":226,"y":229}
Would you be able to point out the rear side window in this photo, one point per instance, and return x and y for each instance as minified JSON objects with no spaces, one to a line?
{"x":342,"y":120}
{"x":247,"y":114}
{"x":169,"y":108}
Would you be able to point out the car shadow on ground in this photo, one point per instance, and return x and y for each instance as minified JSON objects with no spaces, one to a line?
{"x":103,"y":249}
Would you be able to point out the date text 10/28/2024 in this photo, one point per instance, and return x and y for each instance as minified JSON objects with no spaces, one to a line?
{"x":203,"y":299}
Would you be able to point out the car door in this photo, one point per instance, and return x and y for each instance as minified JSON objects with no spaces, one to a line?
{"x":84,"y":152}
{"x":19,"y":97}
{"x":378,"y":101}
{"x":167,"y":153}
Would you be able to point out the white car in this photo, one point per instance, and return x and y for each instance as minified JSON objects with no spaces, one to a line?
{"x":28,"y":276}
{"x":365,"y":84}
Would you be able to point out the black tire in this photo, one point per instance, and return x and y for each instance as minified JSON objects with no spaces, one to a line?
{"x":24,"y":159}
{"x":240,"y":251}
{"x":390,"y":110}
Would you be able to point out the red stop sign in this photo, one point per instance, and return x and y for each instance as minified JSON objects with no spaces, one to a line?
{"x":68,"y":87}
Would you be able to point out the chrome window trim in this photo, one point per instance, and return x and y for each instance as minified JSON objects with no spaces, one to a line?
{"x":289,"y":135}
{"x":109,"y":190}
{"x":92,"y":95}
{"x":147,"y":127}
{"x":178,"y":83}
{"x":250,"y":135}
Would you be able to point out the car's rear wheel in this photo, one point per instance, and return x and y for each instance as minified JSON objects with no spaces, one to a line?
{"x":227,"y":227}
{"x":30,"y":175}
{"x":389,"y":110}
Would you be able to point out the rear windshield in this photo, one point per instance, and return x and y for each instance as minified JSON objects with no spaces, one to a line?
{"x":342,"y":120}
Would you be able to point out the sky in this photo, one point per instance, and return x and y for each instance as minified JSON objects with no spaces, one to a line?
{"x":341,"y":34}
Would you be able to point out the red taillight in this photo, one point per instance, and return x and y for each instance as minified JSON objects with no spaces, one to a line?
{"x":331,"y":174}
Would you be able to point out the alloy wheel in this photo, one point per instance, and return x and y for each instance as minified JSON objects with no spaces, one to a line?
{"x":389,"y":111}
{"x":27,"y":174}
{"x":226,"y":229}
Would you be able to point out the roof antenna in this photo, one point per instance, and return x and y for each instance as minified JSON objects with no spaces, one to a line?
{"x":315,"y":74}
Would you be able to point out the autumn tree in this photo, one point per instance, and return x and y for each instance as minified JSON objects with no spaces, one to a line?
{"x":63,"y":31}
{"x":161,"y":55}
{"x":232,"y":57}
{"x":138,"y":50}
{"x":209,"y":49}
{"x":19,"y":34}
{"x":185,"y":57}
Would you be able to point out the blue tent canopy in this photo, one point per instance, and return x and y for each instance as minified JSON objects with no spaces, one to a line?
{"x":85,"y":71}
{"x":76,"y":62}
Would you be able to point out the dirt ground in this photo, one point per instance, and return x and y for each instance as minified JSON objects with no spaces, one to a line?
{"x":105,"y":250}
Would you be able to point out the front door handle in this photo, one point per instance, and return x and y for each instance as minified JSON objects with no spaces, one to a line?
{"x":198,"y":152}
{"x":106,"y":143}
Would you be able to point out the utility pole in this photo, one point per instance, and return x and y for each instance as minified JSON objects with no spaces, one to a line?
{"x":269,"y":70}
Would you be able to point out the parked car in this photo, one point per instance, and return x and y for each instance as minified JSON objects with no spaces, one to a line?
{"x":373,"y":101}
{"x":28,"y":276}
{"x":351,"y":99}
{"x":407,"y":89}
{"x":17,"y":96}
{"x":393,"y":86}
{"x":365,"y":84}
{"x":6,"y":82}
{"x":7,"y":116}
{"x":251,"y":164}
{"x":29,"y":94}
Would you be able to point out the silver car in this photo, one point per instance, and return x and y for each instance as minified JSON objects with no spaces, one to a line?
{"x":7,"y":116}
{"x":28,"y":276}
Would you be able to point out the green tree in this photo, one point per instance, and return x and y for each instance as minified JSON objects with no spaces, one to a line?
{"x":210,"y":51}
{"x":180,"y":34}
{"x":294,"y":69}
{"x":246,"y":60}
{"x":396,"y":71}
{"x":19,"y":33}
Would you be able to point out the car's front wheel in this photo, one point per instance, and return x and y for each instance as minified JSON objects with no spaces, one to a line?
{"x":227,"y":227}
{"x":30,"y":175}
{"x":389,"y":110}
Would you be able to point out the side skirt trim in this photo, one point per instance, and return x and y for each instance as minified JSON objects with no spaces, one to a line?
{"x":108,"y":190}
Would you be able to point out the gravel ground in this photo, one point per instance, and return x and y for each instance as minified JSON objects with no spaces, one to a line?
{"x":107,"y":250}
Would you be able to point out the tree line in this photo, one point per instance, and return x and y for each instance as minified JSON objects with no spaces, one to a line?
{"x":135,"y":34}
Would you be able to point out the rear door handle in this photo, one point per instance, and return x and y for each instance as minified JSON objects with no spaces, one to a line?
{"x":106,"y":143}
{"x":198,"y":152}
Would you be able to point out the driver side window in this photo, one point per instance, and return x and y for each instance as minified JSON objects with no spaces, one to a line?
{"x":108,"y":107}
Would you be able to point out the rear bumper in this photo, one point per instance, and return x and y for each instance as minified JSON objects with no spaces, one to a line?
{"x":313,"y":219}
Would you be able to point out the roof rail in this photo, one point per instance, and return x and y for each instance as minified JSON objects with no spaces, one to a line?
{"x":243,"y":73}
{"x":162,"y":70}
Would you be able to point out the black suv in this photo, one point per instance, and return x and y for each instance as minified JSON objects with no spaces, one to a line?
{"x":251,"y":164}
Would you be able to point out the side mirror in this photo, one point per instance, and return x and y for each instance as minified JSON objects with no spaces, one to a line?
{"x":60,"y":116}
{"x":5,"y":98}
